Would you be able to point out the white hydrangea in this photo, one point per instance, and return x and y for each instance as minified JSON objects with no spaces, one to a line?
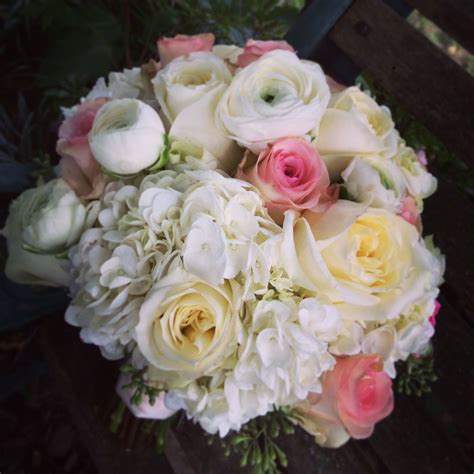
{"x":210,"y":225}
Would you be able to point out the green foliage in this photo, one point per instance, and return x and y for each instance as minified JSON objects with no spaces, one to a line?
{"x":53,"y":51}
{"x":255,"y":442}
{"x":139,"y":385}
{"x":416,"y":374}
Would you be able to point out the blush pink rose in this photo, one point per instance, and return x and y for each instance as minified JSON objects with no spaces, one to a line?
{"x":289,"y":174}
{"x":157,"y":411}
{"x":180,"y":45}
{"x":432,"y":318}
{"x":77,"y":166}
{"x":410,"y":213}
{"x":357,"y":393}
{"x":421,"y":156}
{"x":254,"y":49}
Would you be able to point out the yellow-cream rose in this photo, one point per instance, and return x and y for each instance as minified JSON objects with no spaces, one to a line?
{"x":370,"y":263}
{"x":187,"y":328}
{"x":354,"y":124}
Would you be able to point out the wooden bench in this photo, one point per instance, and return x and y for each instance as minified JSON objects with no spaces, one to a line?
{"x":429,"y":435}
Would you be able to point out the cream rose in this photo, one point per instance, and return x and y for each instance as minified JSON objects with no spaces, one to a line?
{"x":276,"y":96}
{"x":188,"y":90}
{"x":127,"y":136}
{"x":371,"y":264}
{"x":354,"y":124}
{"x":187,"y":328}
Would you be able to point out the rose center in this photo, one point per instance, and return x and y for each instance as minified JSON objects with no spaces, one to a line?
{"x":365,"y":391}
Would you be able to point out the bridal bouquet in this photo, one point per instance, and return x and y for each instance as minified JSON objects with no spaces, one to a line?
{"x":245,"y":233}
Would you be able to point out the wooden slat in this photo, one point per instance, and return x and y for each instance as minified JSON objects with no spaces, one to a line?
{"x":85,"y":380}
{"x":313,"y":25}
{"x":449,"y":216}
{"x":455,"y":17}
{"x":451,"y":403}
{"x":408,"y":67}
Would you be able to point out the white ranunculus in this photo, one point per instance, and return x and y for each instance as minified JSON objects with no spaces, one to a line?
{"x":43,"y":223}
{"x":187,"y":79}
{"x":420,"y":183}
{"x":127,"y":136}
{"x":187,"y":327}
{"x":52,"y":217}
{"x":276,"y":96}
{"x":373,"y":268}
{"x":354,"y":125}
{"x":188,"y":90}
{"x":376,"y":181}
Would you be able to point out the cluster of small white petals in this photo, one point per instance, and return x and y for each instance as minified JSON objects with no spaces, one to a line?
{"x":208,"y":224}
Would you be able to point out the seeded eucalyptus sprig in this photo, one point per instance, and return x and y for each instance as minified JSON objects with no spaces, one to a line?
{"x":139,"y":384}
{"x":255,"y":442}
{"x":416,"y":374}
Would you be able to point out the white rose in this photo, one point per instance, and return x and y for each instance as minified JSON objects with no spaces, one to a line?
{"x":383,"y":341}
{"x":187,"y":327}
{"x":420,"y":183}
{"x":376,"y":181}
{"x":188,"y":90}
{"x":276,"y":96}
{"x":353,"y":125}
{"x":43,"y":223}
{"x":372,"y":268}
{"x":127,"y":136}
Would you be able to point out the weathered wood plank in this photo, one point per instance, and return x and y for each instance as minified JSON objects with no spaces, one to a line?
{"x":449,"y":216}
{"x":451,"y":405}
{"x":412,"y":70}
{"x":86,"y":382}
{"x":455,"y":17}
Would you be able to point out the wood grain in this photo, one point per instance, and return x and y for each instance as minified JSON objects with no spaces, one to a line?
{"x":412,"y":70}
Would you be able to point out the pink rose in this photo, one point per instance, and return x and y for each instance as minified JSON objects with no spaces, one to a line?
{"x":180,"y":45}
{"x":77,"y":166}
{"x":254,"y":49}
{"x":157,"y":411}
{"x":357,"y":393}
{"x":289,"y":174}
{"x":432,"y":318}
{"x":410,"y":213}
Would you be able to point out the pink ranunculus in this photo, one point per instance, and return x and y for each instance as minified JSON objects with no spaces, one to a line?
{"x":253,"y":49}
{"x":410,"y":213}
{"x":180,"y":45}
{"x":157,"y":411}
{"x":77,"y":166}
{"x":432,"y":318}
{"x":357,"y":393}
{"x":289,"y":174}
